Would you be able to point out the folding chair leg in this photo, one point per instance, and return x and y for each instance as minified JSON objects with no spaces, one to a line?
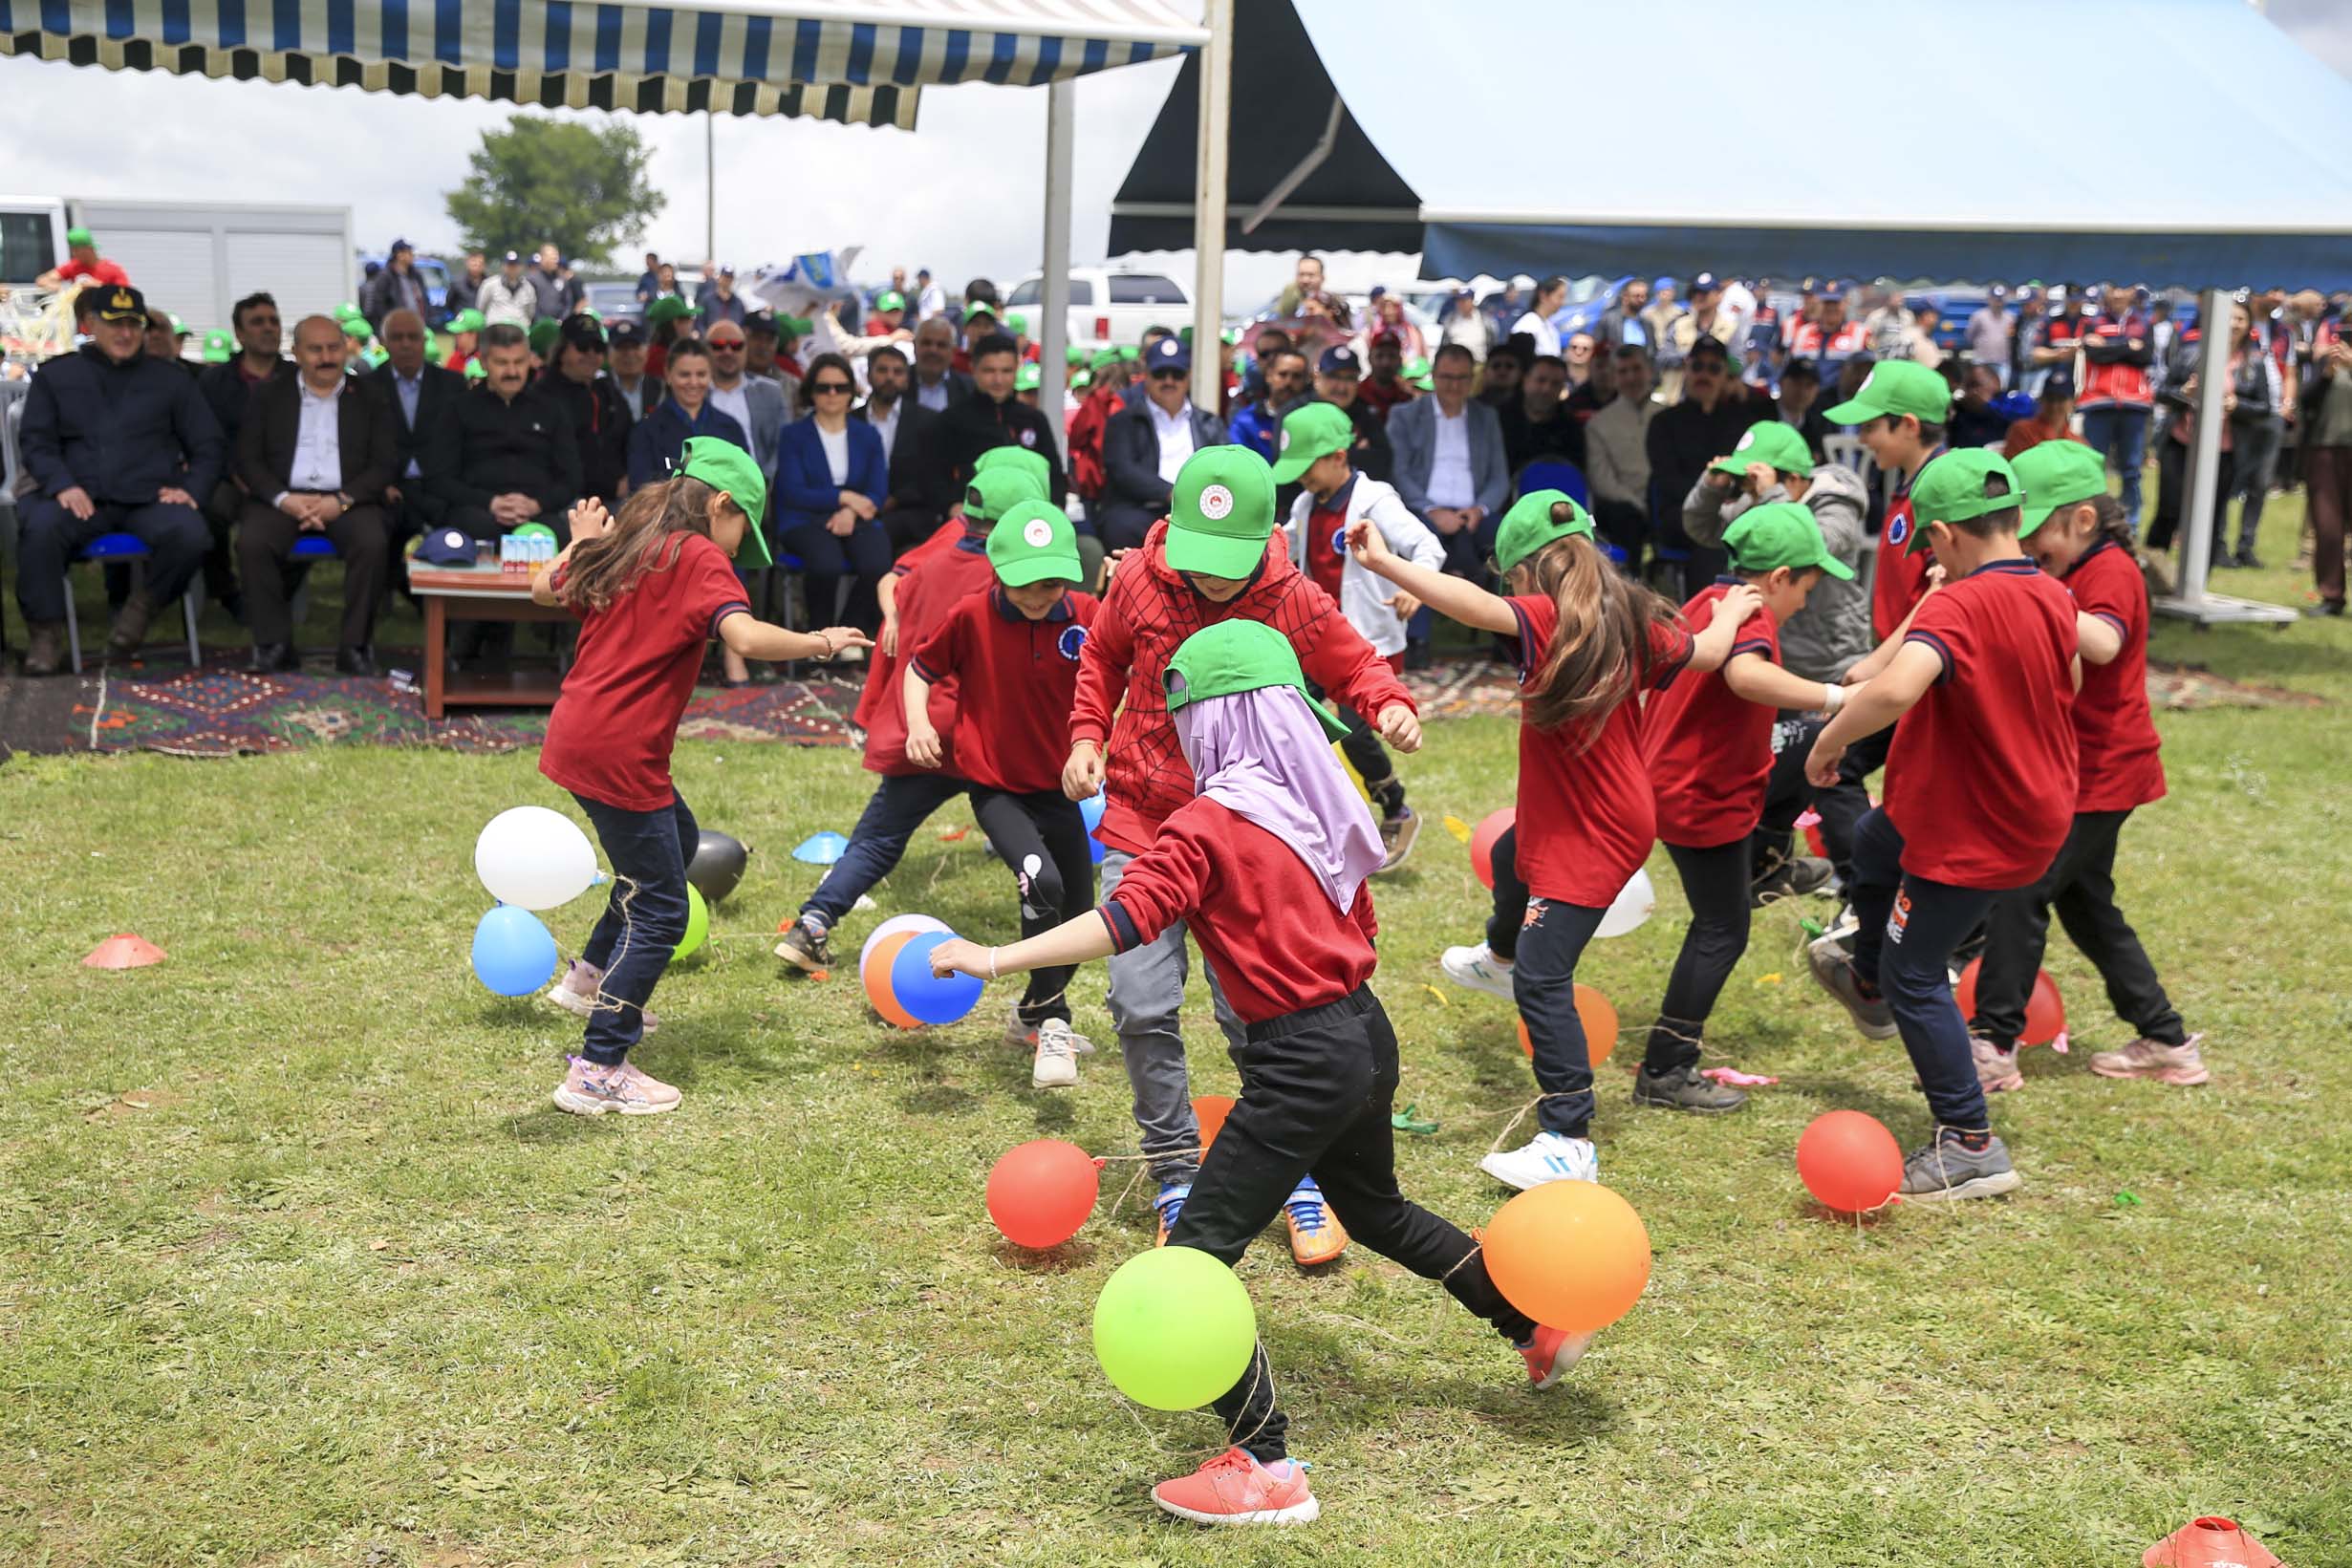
{"x":188,"y":610}
{"x":72,"y":626}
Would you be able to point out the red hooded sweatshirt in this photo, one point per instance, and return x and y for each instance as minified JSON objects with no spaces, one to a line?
{"x":1149,"y":610}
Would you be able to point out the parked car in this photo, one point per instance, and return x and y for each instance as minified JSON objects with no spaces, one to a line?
{"x":614,"y":302}
{"x":1107,"y":305}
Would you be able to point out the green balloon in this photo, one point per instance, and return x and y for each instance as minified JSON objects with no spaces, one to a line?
{"x":533,"y":531}
{"x":697,"y":932}
{"x":1174,"y":1328}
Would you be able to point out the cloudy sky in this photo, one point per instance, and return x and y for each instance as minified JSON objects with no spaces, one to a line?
{"x":962,"y":195}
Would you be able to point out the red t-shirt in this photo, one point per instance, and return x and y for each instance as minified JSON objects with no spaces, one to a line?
{"x":1981,"y":777}
{"x":1709,"y":750}
{"x":2114,"y":733}
{"x":610,"y":735}
{"x":1902,"y":576}
{"x":925,"y":597}
{"x":1326,"y":552}
{"x":1587,"y":819}
{"x":100,"y":271}
{"x":1232,"y":883}
{"x":1015,"y":680}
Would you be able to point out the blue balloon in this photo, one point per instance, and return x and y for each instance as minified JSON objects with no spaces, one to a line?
{"x":929,"y":1000}
{"x":1090,"y":812}
{"x":513,"y":953}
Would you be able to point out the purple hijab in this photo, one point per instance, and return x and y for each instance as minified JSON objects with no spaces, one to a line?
{"x":1263,"y":756}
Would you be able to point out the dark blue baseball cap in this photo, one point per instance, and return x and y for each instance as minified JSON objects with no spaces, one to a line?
{"x":1706,"y":282}
{"x":1832,"y":290}
{"x":1340,"y":361}
{"x":1169,"y":354}
{"x":446,"y":548}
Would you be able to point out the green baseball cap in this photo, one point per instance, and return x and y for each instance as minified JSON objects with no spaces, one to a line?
{"x":1415,"y":369}
{"x":1033,"y":542}
{"x":1022,"y":460}
{"x":1027,"y":379}
{"x":890,"y":299}
{"x":347,"y":309}
{"x":79,"y":236}
{"x":794,"y":326}
{"x":1236,"y":657}
{"x":357,"y":327}
{"x":219,"y":347}
{"x":1781,"y":533}
{"x":1105,"y":359}
{"x":1896,"y":386}
{"x":2055,"y":474}
{"x":543,"y":334}
{"x":1950,"y":489}
{"x":1311,"y":431}
{"x":723,"y":465}
{"x":667,"y":308}
{"x":1080,"y":380}
{"x":997,"y":488}
{"x":1780,"y":445}
{"x":1074,"y":353}
{"x":1130,"y":351}
{"x":1534,"y":521}
{"x":467,"y":320}
{"x":1017,"y":324}
{"x":179,"y":327}
{"x":1222,"y":512}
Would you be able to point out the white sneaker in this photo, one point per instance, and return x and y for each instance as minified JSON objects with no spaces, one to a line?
{"x":1058,"y":1046}
{"x":1547,"y":1157}
{"x":1478,"y":968}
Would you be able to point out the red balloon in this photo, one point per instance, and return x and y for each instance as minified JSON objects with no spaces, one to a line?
{"x":1041,"y":1191}
{"x":1483,"y":841}
{"x":1849,"y":1161}
{"x":2046,"y":1010}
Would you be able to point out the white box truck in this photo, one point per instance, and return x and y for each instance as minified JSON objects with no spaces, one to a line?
{"x":194,"y":259}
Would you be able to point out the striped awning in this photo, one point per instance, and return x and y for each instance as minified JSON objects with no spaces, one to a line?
{"x":862,"y":62}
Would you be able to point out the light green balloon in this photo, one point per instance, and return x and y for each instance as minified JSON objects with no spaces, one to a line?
{"x":697,"y":926}
{"x":1174,"y":1328}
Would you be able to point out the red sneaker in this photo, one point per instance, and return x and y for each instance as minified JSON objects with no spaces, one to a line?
{"x":1551,"y":1353}
{"x":1235,"y":1488}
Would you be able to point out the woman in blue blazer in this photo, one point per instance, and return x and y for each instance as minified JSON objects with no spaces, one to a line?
{"x":830,"y":481}
{"x":656,"y":440}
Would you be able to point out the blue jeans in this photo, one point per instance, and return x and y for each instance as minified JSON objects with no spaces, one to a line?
{"x":1552,"y":940}
{"x":643,"y":920}
{"x":900,"y":806}
{"x":2120,"y":435}
{"x":1909,"y":930}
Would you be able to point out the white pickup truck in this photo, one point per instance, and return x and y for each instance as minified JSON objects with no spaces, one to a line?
{"x":1108,"y":306}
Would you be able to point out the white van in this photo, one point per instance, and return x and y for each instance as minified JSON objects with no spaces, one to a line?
{"x":1108,"y":306}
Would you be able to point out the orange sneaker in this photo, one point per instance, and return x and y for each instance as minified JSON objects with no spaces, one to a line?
{"x":1235,"y":1488}
{"x":1315,"y":1233}
{"x":1551,"y":1353}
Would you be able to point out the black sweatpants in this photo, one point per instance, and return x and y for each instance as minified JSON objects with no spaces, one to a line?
{"x":2081,"y":884}
{"x":1786,"y":793}
{"x":1043,"y":839}
{"x":1842,"y":804}
{"x":1370,"y":758}
{"x":1316,"y":1091}
{"x":1715,"y":882}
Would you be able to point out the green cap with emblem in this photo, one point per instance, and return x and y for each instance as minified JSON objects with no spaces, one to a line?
{"x":1220,"y":513}
{"x":723,"y":465}
{"x":2055,"y":474}
{"x":667,"y":308}
{"x":1025,"y":459}
{"x":890,"y":299}
{"x":467,"y":320}
{"x":79,"y":236}
{"x":1033,"y":543}
{"x":1781,"y":533}
{"x":219,"y":347}
{"x":1027,"y":379}
{"x":998,"y":488}
{"x":1952,"y":489}
{"x":1898,"y":387}
{"x":1780,"y":446}
{"x":1534,"y":521}
{"x":1311,"y":431}
{"x":1236,"y":657}
{"x":357,"y":327}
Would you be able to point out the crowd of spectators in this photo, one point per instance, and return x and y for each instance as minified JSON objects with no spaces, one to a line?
{"x":379,"y":430}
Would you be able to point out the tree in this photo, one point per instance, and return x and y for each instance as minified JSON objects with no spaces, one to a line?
{"x":581,"y":187}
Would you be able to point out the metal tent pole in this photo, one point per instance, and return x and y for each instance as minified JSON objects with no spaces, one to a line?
{"x":2195,"y":601}
{"x":1209,"y":203}
{"x":1053,"y":287}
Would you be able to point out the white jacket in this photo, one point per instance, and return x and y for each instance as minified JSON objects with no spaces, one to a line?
{"x":1364,"y":598}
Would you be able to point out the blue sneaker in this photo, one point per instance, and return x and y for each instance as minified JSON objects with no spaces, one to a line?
{"x":1315,"y":1233}
{"x":1171,"y":1203}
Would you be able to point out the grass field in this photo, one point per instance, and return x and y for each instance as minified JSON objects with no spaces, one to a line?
{"x":299,"y":1266}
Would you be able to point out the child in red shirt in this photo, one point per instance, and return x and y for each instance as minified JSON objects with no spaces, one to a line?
{"x":1013,"y":655}
{"x":1707,"y":741}
{"x":1588,"y":644}
{"x":2079,"y":533}
{"x":1275,"y":840}
{"x":650,"y":588}
{"x":1980,"y":793}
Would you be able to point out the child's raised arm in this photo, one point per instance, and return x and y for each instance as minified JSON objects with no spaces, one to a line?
{"x":1454,"y":599}
{"x":746,"y":634}
{"x":1872,"y":706}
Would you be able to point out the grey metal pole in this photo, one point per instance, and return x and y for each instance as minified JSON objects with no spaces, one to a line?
{"x":710,"y":188}
{"x":1053,"y":287}
{"x":1209,"y":203}
{"x":2205,"y":446}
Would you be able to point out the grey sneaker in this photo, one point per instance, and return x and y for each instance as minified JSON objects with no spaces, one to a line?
{"x":1682,"y":1088}
{"x":1793,"y":877}
{"x":1833,"y":968}
{"x":806,"y":945}
{"x":1946,"y":1169}
{"x":1396,"y":836}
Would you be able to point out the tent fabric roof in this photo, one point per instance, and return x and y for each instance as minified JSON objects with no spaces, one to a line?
{"x":858,"y":61}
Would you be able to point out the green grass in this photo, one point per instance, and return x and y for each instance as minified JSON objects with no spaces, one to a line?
{"x":298,"y":1265}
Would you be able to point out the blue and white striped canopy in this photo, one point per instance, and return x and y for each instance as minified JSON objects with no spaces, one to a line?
{"x":862,"y":62}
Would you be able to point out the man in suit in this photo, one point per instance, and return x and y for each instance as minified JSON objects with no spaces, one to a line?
{"x":756,"y":402}
{"x":600,"y":424}
{"x":938,"y":383}
{"x":506,"y":455}
{"x":1451,"y":471}
{"x":919,"y":488}
{"x":420,"y":395}
{"x":316,"y":453}
{"x":1145,"y":444}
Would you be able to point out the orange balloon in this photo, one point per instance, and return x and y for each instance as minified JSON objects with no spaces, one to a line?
{"x":875,"y":971}
{"x":1849,"y":1161}
{"x":1598,"y":1017}
{"x":1040,"y":1193}
{"x":1210,"y":1112}
{"x":1483,"y":841}
{"x":1570,"y":1255}
{"x":2046,"y":1010}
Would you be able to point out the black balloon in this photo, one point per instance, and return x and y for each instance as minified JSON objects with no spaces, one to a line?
{"x":718,"y":864}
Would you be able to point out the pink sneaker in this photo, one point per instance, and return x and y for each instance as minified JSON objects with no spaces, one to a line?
{"x":662,"y":1095}
{"x":576,"y":991}
{"x":1997,"y":1069}
{"x":1551,"y":1353}
{"x":1236,"y":1489}
{"x":2182,"y":1064}
{"x":591,"y":1090}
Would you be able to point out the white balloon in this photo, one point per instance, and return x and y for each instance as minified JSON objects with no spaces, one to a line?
{"x":1633,"y":905}
{"x":534,"y":858}
{"x":890,"y":927}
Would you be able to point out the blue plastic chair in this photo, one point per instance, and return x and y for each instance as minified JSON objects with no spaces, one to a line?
{"x":1547,"y":474}
{"x":127,"y":549}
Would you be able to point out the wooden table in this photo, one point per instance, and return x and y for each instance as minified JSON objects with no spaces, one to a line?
{"x":480,"y":592}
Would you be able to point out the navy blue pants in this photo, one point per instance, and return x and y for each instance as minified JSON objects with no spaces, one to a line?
{"x":1715,"y":882}
{"x":860,"y":558}
{"x":1909,"y":929}
{"x":1545,"y":938}
{"x":49,"y":536}
{"x":643,"y":920}
{"x":900,"y":806}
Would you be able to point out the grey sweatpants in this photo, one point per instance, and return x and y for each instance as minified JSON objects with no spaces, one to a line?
{"x":1147,"y":992}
